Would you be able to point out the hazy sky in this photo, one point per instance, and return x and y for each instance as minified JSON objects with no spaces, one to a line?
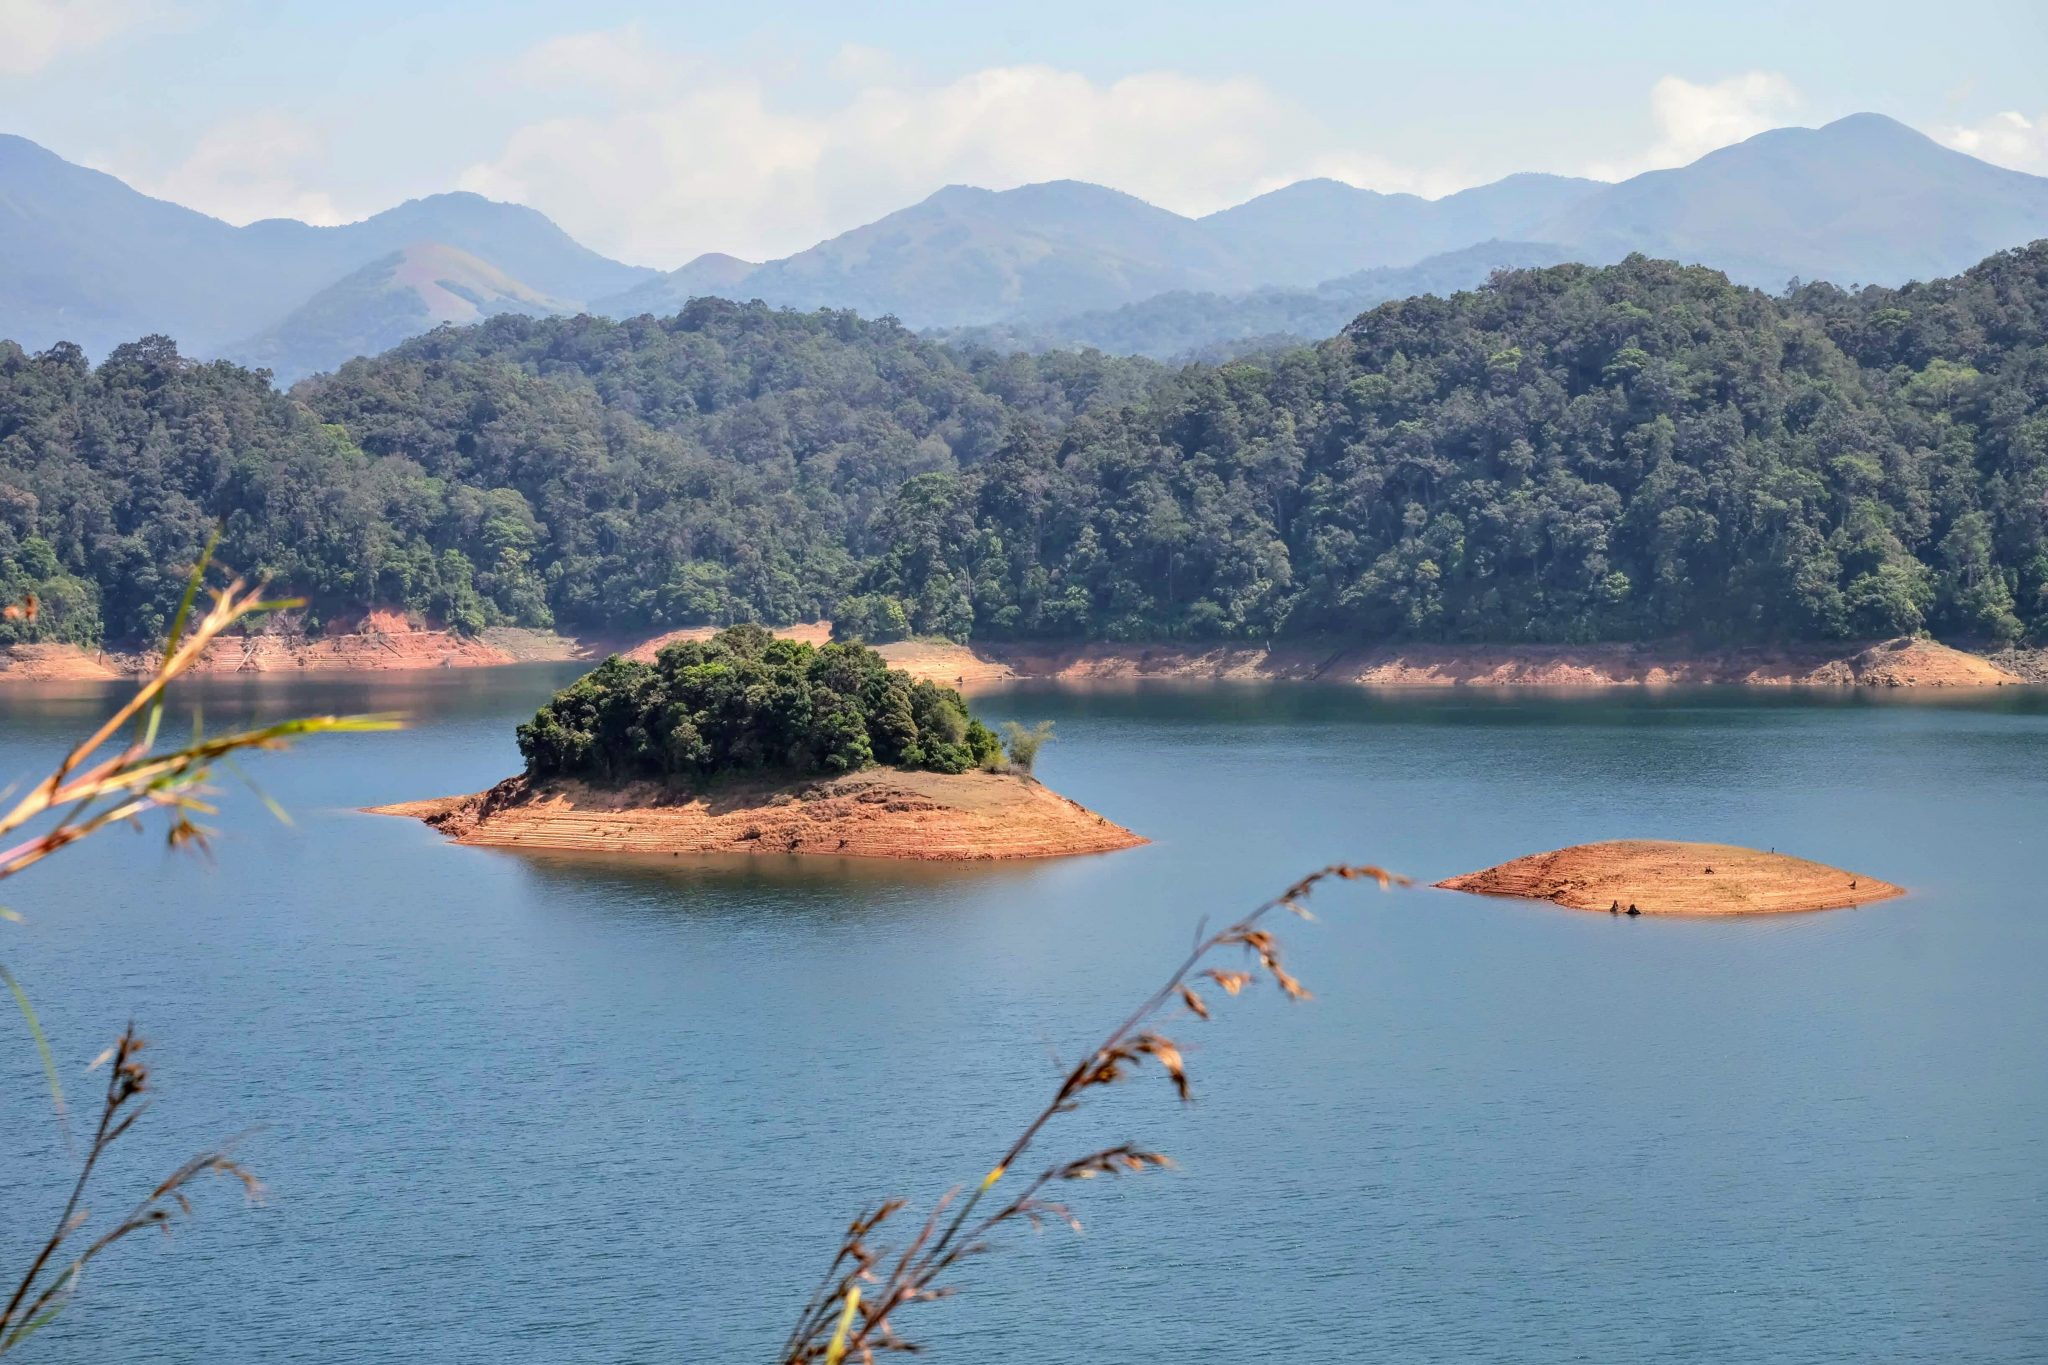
{"x":656,"y":132}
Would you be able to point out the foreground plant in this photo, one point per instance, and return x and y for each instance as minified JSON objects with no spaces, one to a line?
{"x":48,"y":1282}
{"x":852,"y":1312}
{"x":100,"y":782}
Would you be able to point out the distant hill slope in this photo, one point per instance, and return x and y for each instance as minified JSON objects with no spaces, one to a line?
{"x":1184,"y":326}
{"x":1316,"y":230}
{"x":968,"y":255}
{"x":88,"y":259}
{"x":1039,"y":254}
{"x":1864,"y":200}
{"x":714,"y":274}
{"x":523,"y":242}
{"x":392,"y":298}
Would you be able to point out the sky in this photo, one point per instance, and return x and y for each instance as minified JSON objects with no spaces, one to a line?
{"x":656,"y":132}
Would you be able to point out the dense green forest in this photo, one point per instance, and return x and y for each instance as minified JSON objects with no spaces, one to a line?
{"x":1567,"y":454}
{"x":745,"y":701}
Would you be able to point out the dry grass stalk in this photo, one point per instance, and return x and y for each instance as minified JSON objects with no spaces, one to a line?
{"x":851,"y":1314}
{"x":97,"y":785}
{"x":47,"y":1284}
{"x":100,"y":782}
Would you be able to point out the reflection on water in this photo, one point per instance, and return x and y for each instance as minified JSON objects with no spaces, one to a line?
{"x":711,"y":873}
{"x":536,"y":1107}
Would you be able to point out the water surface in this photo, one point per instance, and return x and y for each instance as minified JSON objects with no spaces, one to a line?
{"x":529,"y":1108}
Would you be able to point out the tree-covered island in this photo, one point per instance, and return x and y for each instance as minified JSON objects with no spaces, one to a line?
{"x":746,"y":702}
{"x":745,"y":743}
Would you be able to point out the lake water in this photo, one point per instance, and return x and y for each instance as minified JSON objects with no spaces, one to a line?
{"x":526,"y":1108}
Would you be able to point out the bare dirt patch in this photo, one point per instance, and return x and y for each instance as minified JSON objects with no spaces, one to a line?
{"x":54,"y":663}
{"x":387,"y":640}
{"x":1892,"y":663}
{"x":879,"y":813}
{"x":371,"y":651}
{"x":1665,"y":877}
{"x":946,"y":663}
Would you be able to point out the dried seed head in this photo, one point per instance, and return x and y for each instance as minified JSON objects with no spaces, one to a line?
{"x":1167,"y":1054}
{"x":1231,"y":982}
{"x":1368,"y":872}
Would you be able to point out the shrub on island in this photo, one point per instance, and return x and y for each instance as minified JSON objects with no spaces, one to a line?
{"x":745,"y":701}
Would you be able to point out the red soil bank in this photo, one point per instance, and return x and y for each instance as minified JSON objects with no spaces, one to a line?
{"x":879,"y":813}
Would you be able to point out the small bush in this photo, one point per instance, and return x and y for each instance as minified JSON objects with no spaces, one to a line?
{"x":1023,"y":745}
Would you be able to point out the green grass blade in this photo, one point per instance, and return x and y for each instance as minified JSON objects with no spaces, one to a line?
{"x":145,"y":726}
{"x":36,"y":1324}
{"x":184,"y":615}
{"x":65,"y":1284}
{"x":283,"y":816}
{"x":35,"y":1028}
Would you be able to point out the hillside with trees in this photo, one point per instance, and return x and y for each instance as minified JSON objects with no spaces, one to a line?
{"x":1567,"y":454}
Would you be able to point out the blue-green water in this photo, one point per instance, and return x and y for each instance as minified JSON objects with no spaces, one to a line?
{"x":542,"y":1109}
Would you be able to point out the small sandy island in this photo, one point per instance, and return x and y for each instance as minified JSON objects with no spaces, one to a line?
{"x":877,"y":813}
{"x":1663,"y":877}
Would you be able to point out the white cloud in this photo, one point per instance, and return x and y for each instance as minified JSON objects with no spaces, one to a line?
{"x":678,"y":158}
{"x":1694,"y":119}
{"x":35,"y":33}
{"x":619,"y":63}
{"x":2008,"y":139}
{"x":253,"y":167}
{"x":859,"y":64}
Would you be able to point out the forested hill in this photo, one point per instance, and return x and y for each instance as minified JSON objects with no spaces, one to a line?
{"x":1567,"y":454}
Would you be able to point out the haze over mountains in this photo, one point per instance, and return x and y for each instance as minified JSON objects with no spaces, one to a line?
{"x":1864,"y":200}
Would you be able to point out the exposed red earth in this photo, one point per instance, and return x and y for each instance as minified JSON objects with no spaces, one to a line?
{"x":1664,"y":877}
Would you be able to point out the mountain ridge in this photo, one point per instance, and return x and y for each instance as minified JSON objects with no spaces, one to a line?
{"x":1861,"y":200}
{"x":93,"y":260}
{"x":397,"y":296}
{"x":1838,"y":202}
{"x":1404,"y":229}
{"x":1880,"y":203}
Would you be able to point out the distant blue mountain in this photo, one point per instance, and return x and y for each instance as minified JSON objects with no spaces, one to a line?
{"x":968,"y":255}
{"x":392,"y":298}
{"x":84,"y":258}
{"x":1863,"y":200}
{"x":1316,"y":230}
